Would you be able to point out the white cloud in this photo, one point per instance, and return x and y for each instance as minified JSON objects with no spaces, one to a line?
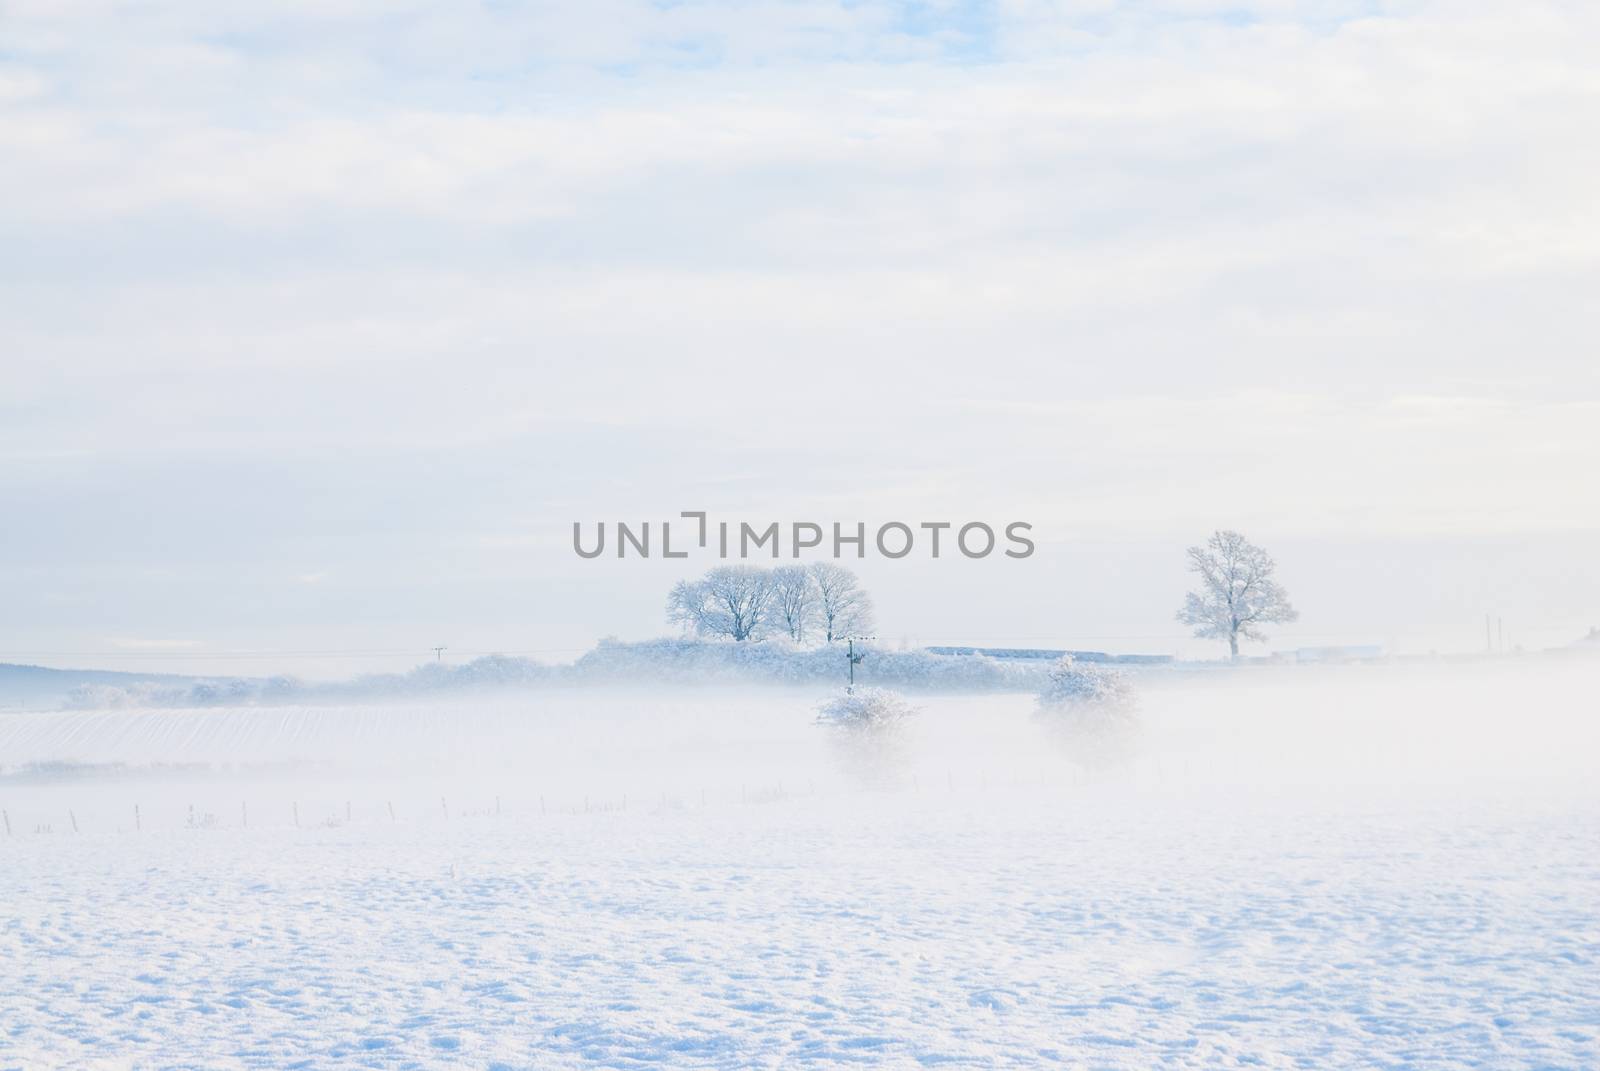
{"x":1325,"y":265}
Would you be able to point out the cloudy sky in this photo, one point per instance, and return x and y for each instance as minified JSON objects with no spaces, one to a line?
{"x":322,"y":322}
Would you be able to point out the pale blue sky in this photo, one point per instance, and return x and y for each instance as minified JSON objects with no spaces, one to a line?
{"x":322,"y":322}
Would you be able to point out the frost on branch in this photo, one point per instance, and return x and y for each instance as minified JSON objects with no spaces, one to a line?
{"x":868,"y":729}
{"x":1092,"y":713}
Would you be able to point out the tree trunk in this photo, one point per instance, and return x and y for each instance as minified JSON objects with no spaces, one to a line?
{"x":1233,"y":645}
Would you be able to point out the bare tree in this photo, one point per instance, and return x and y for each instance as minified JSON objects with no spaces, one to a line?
{"x":794,"y":600}
{"x":842,"y":606}
{"x":1237,"y":592}
{"x":730,"y":600}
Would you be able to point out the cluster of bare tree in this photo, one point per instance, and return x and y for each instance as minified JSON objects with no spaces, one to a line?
{"x":745,"y":602}
{"x":1238,"y":594}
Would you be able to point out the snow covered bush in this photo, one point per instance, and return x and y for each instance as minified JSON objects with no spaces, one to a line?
{"x":867,"y":710}
{"x":1069,"y":682}
{"x":1091,"y":712}
{"x":869,"y":732}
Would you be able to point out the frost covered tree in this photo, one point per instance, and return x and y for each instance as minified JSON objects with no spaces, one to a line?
{"x":1237,"y":591}
{"x":730,"y":600}
{"x":843,"y":607}
{"x":794,"y":601}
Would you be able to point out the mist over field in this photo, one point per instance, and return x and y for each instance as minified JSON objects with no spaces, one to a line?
{"x":1392,"y":725}
{"x":472,"y":482}
{"x":1326,"y":866}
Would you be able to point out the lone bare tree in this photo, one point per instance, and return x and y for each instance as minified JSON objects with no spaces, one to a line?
{"x":730,"y":600}
{"x":842,"y":606}
{"x":1237,"y":591}
{"x":794,"y":600}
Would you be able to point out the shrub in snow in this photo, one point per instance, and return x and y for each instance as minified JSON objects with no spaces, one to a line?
{"x":868,"y":729}
{"x":867,"y":710}
{"x":1070,"y":683}
{"x":1092,"y":712}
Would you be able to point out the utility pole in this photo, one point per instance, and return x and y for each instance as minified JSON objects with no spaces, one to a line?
{"x":438,"y":653}
{"x":854,"y":660}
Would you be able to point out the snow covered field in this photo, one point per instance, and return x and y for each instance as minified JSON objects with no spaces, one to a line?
{"x":1311,"y":868}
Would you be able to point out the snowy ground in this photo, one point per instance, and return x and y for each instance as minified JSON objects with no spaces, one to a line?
{"x":1314,"y":869}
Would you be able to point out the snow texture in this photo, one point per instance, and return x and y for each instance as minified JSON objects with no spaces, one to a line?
{"x":1317,"y":869}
